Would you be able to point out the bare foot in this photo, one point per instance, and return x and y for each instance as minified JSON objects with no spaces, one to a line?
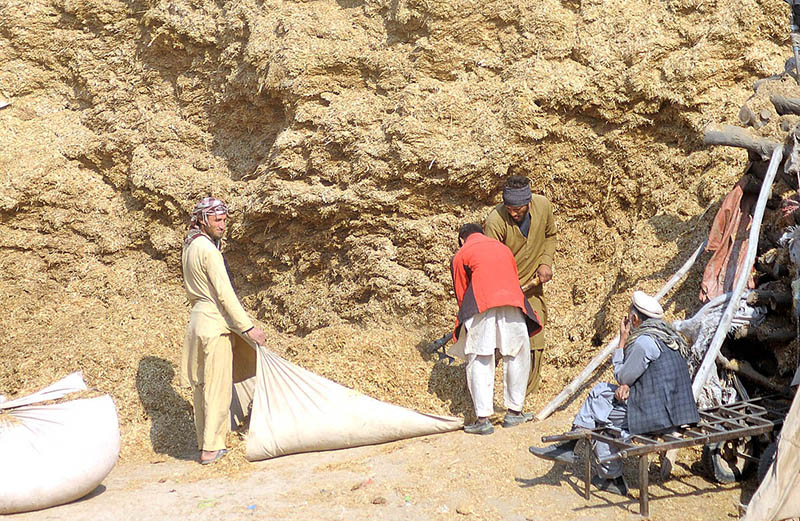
{"x":210,"y":456}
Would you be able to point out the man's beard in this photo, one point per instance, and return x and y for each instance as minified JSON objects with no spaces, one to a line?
{"x":521,"y":218}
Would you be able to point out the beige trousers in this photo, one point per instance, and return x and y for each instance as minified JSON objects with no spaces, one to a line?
{"x":211,"y":378}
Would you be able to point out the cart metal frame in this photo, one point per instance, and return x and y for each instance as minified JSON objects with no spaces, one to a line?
{"x":741,"y":419}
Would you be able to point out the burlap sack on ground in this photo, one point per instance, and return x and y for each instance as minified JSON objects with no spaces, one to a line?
{"x":295,"y":410}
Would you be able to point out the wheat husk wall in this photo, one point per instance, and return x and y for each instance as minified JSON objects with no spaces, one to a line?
{"x":351,"y":139}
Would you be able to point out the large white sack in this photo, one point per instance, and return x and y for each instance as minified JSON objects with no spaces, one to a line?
{"x":778,"y":496}
{"x":295,"y":410}
{"x":56,"y":453}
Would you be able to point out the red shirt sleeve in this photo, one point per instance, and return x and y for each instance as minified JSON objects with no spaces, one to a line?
{"x":460,"y":279}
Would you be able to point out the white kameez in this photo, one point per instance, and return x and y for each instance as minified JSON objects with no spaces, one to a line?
{"x":502,"y":328}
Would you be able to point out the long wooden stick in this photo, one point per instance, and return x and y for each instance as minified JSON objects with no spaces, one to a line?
{"x":579,"y":380}
{"x":681,"y":272}
{"x":752,"y":245}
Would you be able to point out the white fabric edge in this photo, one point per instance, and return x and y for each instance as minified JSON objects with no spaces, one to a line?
{"x":67,"y":385}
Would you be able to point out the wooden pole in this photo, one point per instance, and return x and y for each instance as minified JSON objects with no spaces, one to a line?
{"x":644,"y":498}
{"x":681,"y":272}
{"x":601,"y":357}
{"x":733,"y":304}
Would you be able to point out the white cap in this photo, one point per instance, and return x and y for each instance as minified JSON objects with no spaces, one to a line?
{"x":647,"y":305}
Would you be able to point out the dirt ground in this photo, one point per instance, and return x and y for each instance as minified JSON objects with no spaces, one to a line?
{"x":449,"y":476}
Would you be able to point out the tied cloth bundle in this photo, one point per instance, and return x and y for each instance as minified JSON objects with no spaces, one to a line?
{"x":208,"y":206}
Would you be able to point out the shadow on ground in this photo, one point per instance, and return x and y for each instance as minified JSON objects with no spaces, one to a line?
{"x":659,"y":490}
{"x":448,"y":381}
{"x":172,"y":425}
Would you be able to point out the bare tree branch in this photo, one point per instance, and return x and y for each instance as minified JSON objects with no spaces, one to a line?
{"x":738,"y":137}
{"x":785,"y":105}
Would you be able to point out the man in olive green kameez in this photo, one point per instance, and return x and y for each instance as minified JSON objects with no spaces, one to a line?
{"x":524,"y":222}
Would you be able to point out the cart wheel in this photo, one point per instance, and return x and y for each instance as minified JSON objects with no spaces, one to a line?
{"x":722,"y":460}
{"x":767,"y":457}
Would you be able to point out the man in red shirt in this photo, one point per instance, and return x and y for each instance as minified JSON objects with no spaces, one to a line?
{"x":493,"y":314}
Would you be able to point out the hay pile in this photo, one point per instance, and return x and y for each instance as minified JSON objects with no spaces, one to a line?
{"x":351,"y":138}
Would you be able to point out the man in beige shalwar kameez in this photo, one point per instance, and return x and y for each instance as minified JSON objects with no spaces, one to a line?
{"x":524,"y":222}
{"x":212,"y":340}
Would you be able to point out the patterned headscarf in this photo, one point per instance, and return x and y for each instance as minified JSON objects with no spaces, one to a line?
{"x":208,"y":206}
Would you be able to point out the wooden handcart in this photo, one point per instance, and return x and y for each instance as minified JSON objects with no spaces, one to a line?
{"x":741,"y":420}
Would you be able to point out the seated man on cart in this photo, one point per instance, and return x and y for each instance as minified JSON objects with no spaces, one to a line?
{"x":654,"y":394}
